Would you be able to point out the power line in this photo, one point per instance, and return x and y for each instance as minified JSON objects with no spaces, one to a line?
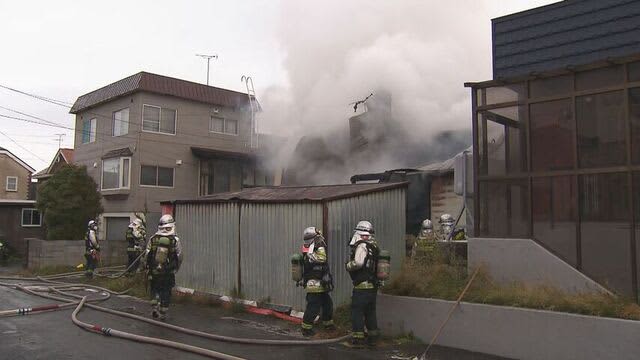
{"x":37,"y":122}
{"x":107,"y":136}
{"x":22,"y":147}
{"x":39,"y":97}
{"x":31,"y":116}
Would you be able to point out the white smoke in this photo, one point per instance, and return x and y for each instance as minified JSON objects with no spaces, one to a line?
{"x":337,"y":52}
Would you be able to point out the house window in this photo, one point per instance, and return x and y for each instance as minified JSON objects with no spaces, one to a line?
{"x":121,"y":122}
{"x":116,"y":173}
{"x":12,"y":183}
{"x":31,"y":218}
{"x":158,"y":120}
{"x":223,"y":126}
{"x":116,"y":227}
{"x":88,"y":131}
{"x":217,"y":175}
{"x":156,"y":176}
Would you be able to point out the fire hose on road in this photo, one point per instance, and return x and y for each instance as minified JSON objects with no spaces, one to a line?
{"x":61,"y":288}
{"x":146,"y":339}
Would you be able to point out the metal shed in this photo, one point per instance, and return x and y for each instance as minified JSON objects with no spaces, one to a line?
{"x":242,"y":241}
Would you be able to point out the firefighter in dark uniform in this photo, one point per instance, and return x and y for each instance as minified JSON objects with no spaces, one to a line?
{"x":425,"y":244}
{"x":163,"y":257}
{"x":135,"y":236}
{"x":362,"y":267}
{"x":92,"y":248}
{"x":316,"y":281}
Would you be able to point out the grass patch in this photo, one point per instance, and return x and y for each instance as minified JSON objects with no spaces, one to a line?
{"x":444,"y":277}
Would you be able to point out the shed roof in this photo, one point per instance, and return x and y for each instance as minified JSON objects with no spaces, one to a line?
{"x":159,"y":84}
{"x":282,"y":194}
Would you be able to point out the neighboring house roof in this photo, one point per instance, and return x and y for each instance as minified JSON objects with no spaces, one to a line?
{"x":17,"y":159}
{"x":443,"y":166}
{"x":285,"y":194}
{"x":67,"y":156}
{"x":164,"y":85}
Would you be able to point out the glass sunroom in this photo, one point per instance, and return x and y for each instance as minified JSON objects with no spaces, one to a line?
{"x":557,"y":159}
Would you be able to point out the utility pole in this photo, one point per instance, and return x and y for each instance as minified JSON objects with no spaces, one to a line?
{"x":60,"y":136}
{"x":208,"y":57}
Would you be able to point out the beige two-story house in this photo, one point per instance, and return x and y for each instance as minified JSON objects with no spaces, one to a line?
{"x":148,"y":138}
{"x":15,"y":176}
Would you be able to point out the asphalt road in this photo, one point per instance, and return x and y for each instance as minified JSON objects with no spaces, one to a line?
{"x":53,"y":336}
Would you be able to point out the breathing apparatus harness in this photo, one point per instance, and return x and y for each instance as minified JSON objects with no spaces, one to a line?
{"x":368,"y":272}
{"x":162,"y":257}
{"x":317,"y":271}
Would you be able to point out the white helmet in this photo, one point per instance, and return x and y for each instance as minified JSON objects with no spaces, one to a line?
{"x":447,"y":219}
{"x":427,"y":224}
{"x":166,"y":225}
{"x":92,"y":225}
{"x":365,"y":228}
{"x":309,"y":235}
{"x":137,"y":223}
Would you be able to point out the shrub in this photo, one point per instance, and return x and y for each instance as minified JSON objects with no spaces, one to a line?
{"x":68,"y":200}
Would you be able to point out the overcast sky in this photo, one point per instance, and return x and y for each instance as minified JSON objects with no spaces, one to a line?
{"x":63,"y":49}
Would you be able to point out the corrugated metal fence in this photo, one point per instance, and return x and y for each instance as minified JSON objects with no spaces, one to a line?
{"x":209,"y":237}
{"x":268,"y":233}
{"x":386,"y":211}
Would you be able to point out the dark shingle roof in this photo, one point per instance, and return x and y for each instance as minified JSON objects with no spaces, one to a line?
{"x":117,"y":153}
{"x":159,"y":84}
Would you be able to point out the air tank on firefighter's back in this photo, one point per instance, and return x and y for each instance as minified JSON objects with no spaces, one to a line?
{"x":296,"y":267}
{"x":384,"y":265}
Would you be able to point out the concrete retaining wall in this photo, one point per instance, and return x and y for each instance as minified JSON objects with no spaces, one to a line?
{"x":511,"y":332}
{"x":525,"y":261}
{"x":44,"y":253}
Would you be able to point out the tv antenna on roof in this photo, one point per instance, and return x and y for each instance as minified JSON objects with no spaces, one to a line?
{"x":360,"y":102}
{"x":59,"y":140}
{"x":208,"y":57}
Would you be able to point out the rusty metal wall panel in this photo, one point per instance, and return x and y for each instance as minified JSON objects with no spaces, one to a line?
{"x":386,"y":211}
{"x":270,"y":233}
{"x":209,"y":237}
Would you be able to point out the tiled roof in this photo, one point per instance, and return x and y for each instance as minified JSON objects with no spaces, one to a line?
{"x":68,"y":155}
{"x":164,"y":85}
